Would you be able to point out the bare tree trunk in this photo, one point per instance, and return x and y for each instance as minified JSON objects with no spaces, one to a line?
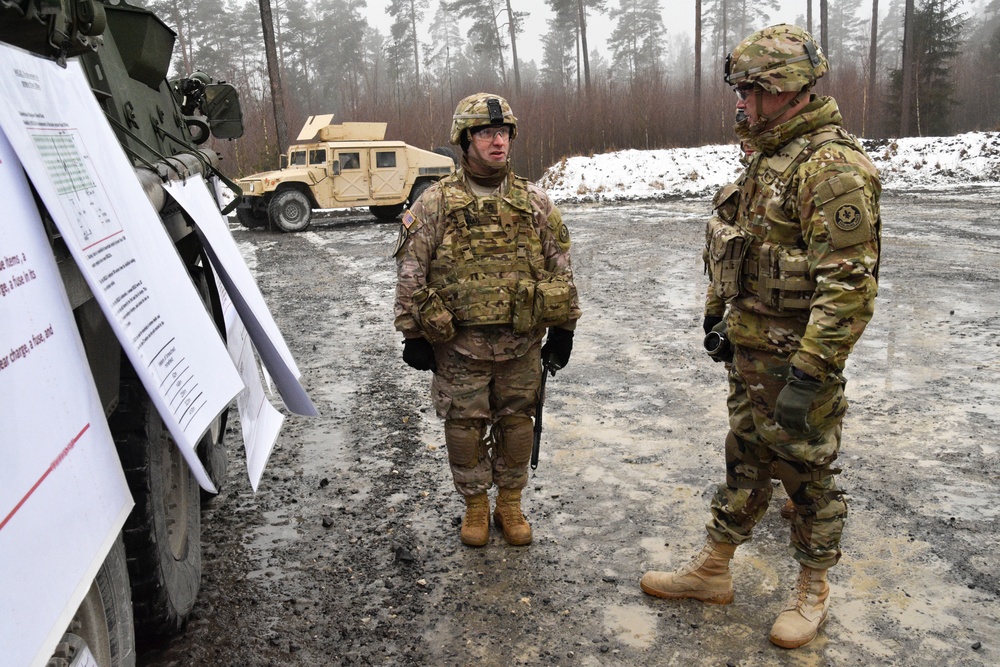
{"x":908,"y":71}
{"x":583,"y":42}
{"x":823,"y":29}
{"x":809,"y":16}
{"x":277,"y":94}
{"x":872,"y":71}
{"x":416,"y":42}
{"x":697,"y":71}
{"x":512,"y":27}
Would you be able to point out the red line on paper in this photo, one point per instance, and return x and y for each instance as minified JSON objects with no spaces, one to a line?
{"x":52,"y":466}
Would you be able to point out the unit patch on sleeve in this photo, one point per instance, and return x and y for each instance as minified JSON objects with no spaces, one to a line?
{"x":408,"y":219}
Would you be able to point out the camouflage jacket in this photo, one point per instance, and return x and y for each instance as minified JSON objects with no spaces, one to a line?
{"x":429,"y":231}
{"x":809,"y":211}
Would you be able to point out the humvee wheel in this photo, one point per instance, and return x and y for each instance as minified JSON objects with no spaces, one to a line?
{"x":386,"y":213}
{"x":249,"y":219}
{"x":290,"y":211}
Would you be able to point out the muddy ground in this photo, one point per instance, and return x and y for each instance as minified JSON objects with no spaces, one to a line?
{"x":349,"y":552}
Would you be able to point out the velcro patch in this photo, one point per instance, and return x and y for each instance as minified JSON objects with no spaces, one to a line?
{"x":408,"y":219}
{"x":848,"y":218}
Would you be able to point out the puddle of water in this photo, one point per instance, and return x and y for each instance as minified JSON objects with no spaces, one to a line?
{"x":633,"y":625}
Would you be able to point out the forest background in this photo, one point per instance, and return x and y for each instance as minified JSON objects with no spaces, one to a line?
{"x":648,"y":85}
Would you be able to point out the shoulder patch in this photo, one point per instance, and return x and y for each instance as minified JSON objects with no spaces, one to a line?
{"x":408,"y":219}
{"x":559,"y":229}
{"x":841,"y":199}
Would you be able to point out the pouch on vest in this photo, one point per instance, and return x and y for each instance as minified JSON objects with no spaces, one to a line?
{"x":480,"y":302}
{"x":726,"y":246}
{"x":552,"y":302}
{"x":524,"y":304}
{"x":436,"y":322}
{"x":783,"y":278}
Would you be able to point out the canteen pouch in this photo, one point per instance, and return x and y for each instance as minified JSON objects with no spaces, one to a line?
{"x":552,"y":302}
{"x":437,"y":324}
{"x":524,"y":302}
{"x":726,"y":245}
{"x":783,"y":278}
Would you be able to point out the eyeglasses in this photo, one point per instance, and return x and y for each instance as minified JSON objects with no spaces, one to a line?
{"x":491,"y":133}
{"x":743,"y":92}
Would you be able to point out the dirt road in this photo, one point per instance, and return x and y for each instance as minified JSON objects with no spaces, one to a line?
{"x":349,"y":553}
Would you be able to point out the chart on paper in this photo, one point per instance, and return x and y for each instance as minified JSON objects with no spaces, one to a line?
{"x":83,"y":199}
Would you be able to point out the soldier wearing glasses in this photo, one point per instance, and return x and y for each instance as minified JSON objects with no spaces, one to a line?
{"x":483,"y":271}
{"x":793,"y":255}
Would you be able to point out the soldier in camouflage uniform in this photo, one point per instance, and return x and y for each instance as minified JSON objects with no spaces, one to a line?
{"x":483,"y":270}
{"x":793,"y":254}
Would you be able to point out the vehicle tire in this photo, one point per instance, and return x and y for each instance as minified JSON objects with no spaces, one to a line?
{"x":163,"y":533}
{"x":250,"y":219}
{"x":387,"y":213}
{"x":418,"y":189}
{"x":103,"y":622}
{"x":290,"y":211}
{"x":447,"y":152}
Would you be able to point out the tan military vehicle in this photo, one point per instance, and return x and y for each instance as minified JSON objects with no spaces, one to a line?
{"x":340,"y":166}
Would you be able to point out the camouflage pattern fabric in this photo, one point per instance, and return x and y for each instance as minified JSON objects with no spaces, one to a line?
{"x":487,"y":408}
{"x":488,"y":376}
{"x":829,"y":217}
{"x":780,"y":58}
{"x":473,"y":111}
{"x":429,"y":231}
{"x":809,"y":211}
{"x":755,"y":379}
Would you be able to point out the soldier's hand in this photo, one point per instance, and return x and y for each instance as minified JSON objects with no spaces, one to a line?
{"x":419,"y":354}
{"x":792,"y":407}
{"x":557,"y":348}
{"x":710,"y":322}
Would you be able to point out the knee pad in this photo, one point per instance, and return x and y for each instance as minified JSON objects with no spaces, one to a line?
{"x":464,"y":441}
{"x":512,"y":437}
{"x":744,"y":469}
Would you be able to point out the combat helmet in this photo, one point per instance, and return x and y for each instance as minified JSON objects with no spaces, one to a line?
{"x":479,"y":110}
{"x":780,"y":58}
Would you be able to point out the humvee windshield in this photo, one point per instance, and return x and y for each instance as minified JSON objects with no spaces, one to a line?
{"x":317,"y":156}
{"x":298,"y":159}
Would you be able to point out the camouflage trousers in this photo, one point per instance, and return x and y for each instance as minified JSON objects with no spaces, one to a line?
{"x":487,"y":407}
{"x":758,"y":449}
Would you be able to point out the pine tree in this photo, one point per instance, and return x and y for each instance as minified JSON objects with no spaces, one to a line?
{"x":937,"y":26}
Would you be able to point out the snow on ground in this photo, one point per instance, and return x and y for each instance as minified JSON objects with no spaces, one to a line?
{"x":914,"y":163}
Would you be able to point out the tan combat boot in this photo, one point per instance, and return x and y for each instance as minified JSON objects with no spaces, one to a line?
{"x":787,"y":510}
{"x":476,"y":523}
{"x":510,"y":520}
{"x":706,"y":578}
{"x":805,"y":612}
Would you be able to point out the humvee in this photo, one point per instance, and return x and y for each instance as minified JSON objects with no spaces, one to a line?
{"x":351,"y":165}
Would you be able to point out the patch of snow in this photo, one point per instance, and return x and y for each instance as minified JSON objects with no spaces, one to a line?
{"x":912,"y":163}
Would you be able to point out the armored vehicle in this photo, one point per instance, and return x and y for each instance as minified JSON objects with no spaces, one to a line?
{"x":148,"y":584}
{"x":350,"y":165}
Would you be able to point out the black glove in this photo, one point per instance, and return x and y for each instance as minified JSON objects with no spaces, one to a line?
{"x":419,"y":354}
{"x":710,"y":322}
{"x":717,"y":343}
{"x":557,"y":348}
{"x":792,"y":406}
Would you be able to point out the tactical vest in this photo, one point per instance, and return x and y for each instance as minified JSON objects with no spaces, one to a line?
{"x":490,"y":268}
{"x":759,"y":252}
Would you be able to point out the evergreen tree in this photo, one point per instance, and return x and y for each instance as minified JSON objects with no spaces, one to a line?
{"x":637,"y":40}
{"x":937,"y":26}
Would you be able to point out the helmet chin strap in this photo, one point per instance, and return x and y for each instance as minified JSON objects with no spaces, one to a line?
{"x":762,"y":118}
